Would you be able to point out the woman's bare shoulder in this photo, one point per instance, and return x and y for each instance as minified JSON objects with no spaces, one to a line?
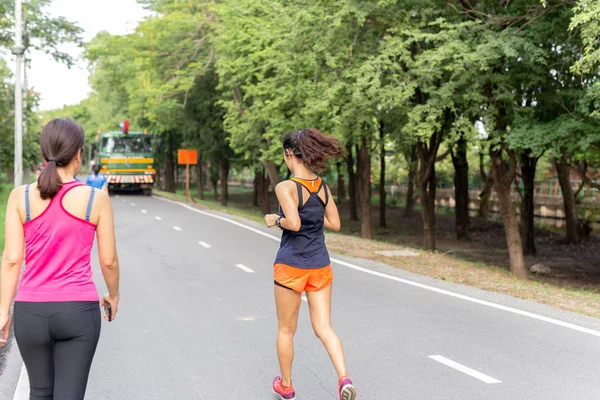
{"x":286,"y":185}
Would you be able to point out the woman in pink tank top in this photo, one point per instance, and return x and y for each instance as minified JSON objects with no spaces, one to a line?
{"x":57,"y":308}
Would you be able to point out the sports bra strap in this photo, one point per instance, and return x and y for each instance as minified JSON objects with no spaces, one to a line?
{"x":326,"y":189}
{"x":90,"y":203}
{"x":300,"y":187}
{"x":27,"y":207}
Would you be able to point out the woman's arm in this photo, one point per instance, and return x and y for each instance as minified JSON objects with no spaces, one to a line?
{"x":12,"y":258}
{"x":287,"y":196}
{"x":332,"y":215}
{"x":107,"y":249}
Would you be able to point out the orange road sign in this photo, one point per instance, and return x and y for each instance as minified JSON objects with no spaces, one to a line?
{"x":187,"y":157}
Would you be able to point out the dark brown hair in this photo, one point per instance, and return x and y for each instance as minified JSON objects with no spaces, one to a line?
{"x":312,"y":147}
{"x":61,"y":140}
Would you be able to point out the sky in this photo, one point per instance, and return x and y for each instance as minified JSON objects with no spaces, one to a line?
{"x":59,"y":85}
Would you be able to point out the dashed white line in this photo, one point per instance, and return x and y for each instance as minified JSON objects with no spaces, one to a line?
{"x":158,"y":218}
{"x":304,"y":298}
{"x":177,"y":228}
{"x":133,"y":204}
{"x":465,"y":370}
{"x":144,"y":212}
{"x":204,"y":244}
{"x":244,"y":268}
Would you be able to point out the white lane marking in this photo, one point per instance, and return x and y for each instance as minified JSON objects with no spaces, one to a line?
{"x":144,"y":212}
{"x":177,"y":228}
{"x":465,"y":370}
{"x":244,"y":268}
{"x":304,"y":298}
{"x":449,"y":293}
{"x":133,"y":204}
{"x":204,"y":244}
{"x":158,"y":218}
{"x":22,"y":389}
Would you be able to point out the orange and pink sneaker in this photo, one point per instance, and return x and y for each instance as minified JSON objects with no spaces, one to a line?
{"x":284,"y":393}
{"x":346,"y":389}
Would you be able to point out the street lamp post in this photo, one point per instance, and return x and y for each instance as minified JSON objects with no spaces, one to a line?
{"x":18,"y":51}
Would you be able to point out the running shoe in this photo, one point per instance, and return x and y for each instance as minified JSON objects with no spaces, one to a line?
{"x":346,"y":389}
{"x":284,"y":393}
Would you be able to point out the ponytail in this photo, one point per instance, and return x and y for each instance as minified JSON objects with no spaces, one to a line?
{"x":49,"y":181}
{"x":313,"y":147}
{"x":60,"y":142}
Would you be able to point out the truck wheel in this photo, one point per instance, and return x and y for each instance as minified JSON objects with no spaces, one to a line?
{"x":147,"y":192}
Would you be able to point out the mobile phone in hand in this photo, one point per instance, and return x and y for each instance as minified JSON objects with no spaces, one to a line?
{"x":108,"y":310}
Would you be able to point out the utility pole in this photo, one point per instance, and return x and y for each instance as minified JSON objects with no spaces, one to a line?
{"x":18,"y":51}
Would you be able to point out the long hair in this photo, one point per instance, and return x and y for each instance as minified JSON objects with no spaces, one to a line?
{"x":312,"y":147}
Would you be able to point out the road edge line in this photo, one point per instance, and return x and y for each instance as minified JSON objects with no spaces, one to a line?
{"x":449,"y":293}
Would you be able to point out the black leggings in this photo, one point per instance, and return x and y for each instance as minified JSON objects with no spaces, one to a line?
{"x":57,"y":342}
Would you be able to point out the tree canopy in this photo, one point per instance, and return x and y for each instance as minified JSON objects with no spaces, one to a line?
{"x":512,"y":81}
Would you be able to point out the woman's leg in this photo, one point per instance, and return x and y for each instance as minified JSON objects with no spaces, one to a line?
{"x":319,"y":304}
{"x":76,"y":332}
{"x":36,"y":348}
{"x":287,"y":302}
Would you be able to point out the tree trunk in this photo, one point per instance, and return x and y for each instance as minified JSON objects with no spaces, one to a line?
{"x":158,"y":178}
{"x":427,"y":180}
{"x":352,"y":204}
{"x":528,"y":167}
{"x":428,"y":186}
{"x":256,"y":186}
{"x":486,"y":193}
{"x":382,"y":192}
{"x":170,"y":184}
{"x":223,"y":177}
{"x":264,"y":193}
{"x":364,"y":167}
{"x":357,"y":183}
{"x":413,"y":165}
{"x":341,"y":188}
{"x":200,"y":180}
{"x":207,"y":175}
{"x":503,"y":179}
{"x":272,"y":172}
{"x":563,"y":169}
{"x":214,"y":179}
{"x":461,"y":189}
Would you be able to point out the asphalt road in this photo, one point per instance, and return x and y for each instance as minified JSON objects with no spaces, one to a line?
{"x":197,"y":321}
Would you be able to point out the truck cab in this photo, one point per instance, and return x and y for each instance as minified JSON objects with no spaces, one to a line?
{"x":127,"y":160}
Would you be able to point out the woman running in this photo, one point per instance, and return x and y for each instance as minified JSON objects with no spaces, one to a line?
{"x":302,"y":263}
{"x":56,"y":312}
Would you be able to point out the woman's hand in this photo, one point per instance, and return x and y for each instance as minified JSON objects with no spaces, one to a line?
{"x":4,"y":328}
{"x":114,"y":306}
{"x":271,"y":220}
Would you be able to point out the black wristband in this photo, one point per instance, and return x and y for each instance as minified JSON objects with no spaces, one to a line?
{"x":278,"y":222}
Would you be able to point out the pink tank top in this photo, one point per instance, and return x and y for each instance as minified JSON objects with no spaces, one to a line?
{"x":58,"y":249}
